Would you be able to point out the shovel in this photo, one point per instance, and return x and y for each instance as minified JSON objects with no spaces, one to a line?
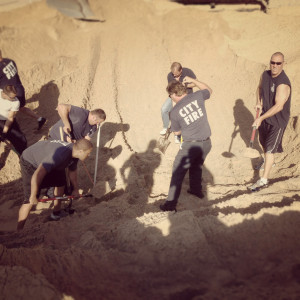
{"x":163,"y":142}
{"x":250,"y":152}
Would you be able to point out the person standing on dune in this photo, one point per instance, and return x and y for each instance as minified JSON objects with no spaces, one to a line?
{"x":188,"y":118}
{"x":274,"y":102}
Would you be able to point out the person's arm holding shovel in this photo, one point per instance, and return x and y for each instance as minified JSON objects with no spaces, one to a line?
{"x":63,"y":111}
{"x":74,"y":181}
{"x":282,"y":95}
{"x":7,"y":125}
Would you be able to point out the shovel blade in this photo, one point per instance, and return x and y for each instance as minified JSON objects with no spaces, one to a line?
{"x":162,"y":144}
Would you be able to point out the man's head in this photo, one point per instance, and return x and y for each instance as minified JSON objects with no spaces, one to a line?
{"x":176,"y":90}
{"x":82,"y":149}
{"x":176,"y":69}
{"x":97,"y":116}
{"x":276,"y":63}
{"x":9,"y":92}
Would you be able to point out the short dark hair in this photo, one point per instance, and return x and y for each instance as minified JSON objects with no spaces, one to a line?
{"x":99,"y":113}
{"x":9,"y":90}
{"x":176,"y":87}
{"x":83,"y":144}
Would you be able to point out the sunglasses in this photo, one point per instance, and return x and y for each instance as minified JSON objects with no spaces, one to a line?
{"x":275,"y":63}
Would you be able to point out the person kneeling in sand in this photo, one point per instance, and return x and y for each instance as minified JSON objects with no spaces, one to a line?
{"x":43,"y":165}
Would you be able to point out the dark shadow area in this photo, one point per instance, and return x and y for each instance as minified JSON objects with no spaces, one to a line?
{"x":109,"y":131}
{"x":139,"y":182}
{"x":4,"y":156}
{"x":262,"y":3}
{"x":48,"y":101}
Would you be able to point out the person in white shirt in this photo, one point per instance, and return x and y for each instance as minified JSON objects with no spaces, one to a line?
{"x":9,"y":128}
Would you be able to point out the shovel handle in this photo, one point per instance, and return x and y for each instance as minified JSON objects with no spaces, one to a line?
{"x":253,"y":131}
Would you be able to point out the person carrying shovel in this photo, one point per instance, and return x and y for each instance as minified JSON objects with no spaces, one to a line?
{"x":188,"y":118}
{"x":43,"y":165}
{"x":274,"y":102}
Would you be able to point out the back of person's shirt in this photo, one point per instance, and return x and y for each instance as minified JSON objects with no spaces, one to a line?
{"x":7,"y":106}
{"x":9,"y":73}
{"x":53,"y":155}
{"x":79,"y":122}
{"x":189,"y":116}
{"x":185,"y":72}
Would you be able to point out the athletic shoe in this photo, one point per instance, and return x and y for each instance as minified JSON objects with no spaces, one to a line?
{"x":55,"y":216}
{"x":168,"y":206}
{"x":177,"y":139}
{"x":41,"y":123}
{"x":258,"y":185}
{"x":163,"y":132}
{"x":199,"y":195}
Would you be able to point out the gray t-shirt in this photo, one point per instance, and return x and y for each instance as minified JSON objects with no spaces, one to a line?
{"x":185,"y":72}
{"x":53,"y":155}
{"x":189,"y":116}
{"x":79,"y":122}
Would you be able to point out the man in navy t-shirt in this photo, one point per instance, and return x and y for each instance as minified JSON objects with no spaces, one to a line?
{"x":177,"y":73}
{"x":188,"y":118}
{"x":274,"y":102}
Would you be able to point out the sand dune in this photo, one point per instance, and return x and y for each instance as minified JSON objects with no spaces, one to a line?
{"x":118,"y":244}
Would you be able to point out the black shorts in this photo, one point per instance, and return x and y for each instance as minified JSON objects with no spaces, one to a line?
{"x":270,"y":138}
{"x":54,"y":178}
{"x":21,"y":95}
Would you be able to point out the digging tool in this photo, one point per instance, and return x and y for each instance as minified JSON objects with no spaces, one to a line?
{"x":250,"y":152}
{"x":97,"y":153}
{"x":163,"y":142}
{"x":228,"y":154}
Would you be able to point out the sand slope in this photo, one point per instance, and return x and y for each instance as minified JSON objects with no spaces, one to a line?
{"x":118,"y":244}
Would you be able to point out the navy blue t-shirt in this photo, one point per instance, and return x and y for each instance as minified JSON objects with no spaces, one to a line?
{"x":53,"y":155}
{"x":189,"y":116}
{"x":185,"y":72}
{"x":79,"y":122}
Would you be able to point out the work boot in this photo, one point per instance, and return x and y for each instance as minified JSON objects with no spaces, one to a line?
{"x":41,"y":122}
{"x":168,"y":206}
{"x":199,"y":195}
{"x":55,"y":215}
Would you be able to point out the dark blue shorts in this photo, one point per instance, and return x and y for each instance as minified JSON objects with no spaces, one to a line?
{"x":270,"y":137}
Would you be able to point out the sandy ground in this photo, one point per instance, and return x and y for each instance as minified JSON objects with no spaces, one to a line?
{"x":118,"y":244}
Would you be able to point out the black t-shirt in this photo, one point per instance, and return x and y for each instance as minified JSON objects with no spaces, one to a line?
{"x":185,"y":72}
{"x":268,"y":95}
{"x":9,"y":73}
{"x":189,"y":116}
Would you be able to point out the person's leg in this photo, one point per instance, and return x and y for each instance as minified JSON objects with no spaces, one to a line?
{"x":180,"y":167}
{"x":17,"y":138}
{"x":198,"y":155}
{"x":23,"y":215}
{"x":269,"y":161}
{"x":165,"y":110}
{"x":58,"y":192}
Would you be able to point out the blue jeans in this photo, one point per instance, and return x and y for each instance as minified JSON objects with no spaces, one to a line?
{"x":165,"y":110}
{"x":191,"y":157}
